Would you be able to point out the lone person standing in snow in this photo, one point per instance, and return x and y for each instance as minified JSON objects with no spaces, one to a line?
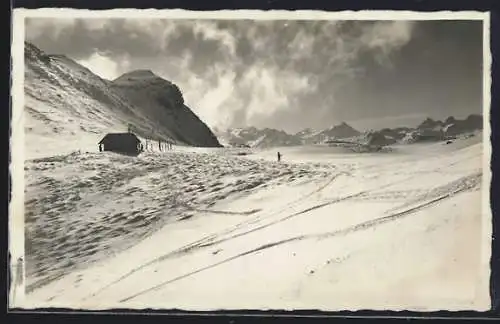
{"x":279,"y":156}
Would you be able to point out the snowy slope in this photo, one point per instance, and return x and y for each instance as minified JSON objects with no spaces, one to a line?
{"x":75,"y":203}
{"x":320,"y":230}
{"x":69,"y":108}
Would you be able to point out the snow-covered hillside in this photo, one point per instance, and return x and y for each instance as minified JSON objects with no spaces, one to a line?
{"x":69,"y":108}
{"x":75,"y":204}
{"x":320,"y":230}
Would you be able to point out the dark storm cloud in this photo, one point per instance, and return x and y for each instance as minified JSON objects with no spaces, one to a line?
{"x":287,"y":74}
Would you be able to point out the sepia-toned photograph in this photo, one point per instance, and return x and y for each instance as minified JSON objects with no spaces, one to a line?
{"x":250,"y":160}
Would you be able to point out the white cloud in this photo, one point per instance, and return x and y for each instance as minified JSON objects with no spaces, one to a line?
{"x":246,"y":72}
{"x":210,"y":31}
{"x":386,"y":37}
{"x":102,"y":66}
{"x":208,"y":106}
{"x":390,"y":34}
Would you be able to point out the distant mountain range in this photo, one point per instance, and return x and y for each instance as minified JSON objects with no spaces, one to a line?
{"x":428,"y":130}
{"x":269,"y":137}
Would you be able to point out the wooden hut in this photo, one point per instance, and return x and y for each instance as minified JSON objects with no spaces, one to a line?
{"x":127,"y":143}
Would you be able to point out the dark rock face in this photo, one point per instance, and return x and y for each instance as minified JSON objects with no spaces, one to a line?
{"x":470,"y":124}
{"x":380,"y":138}
{"x":429,"y":123}
{"x":449,"y":120}
{"x":431,"y":130}
{"x":163,"y":101}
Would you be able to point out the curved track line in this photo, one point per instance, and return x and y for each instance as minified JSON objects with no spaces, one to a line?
{"x":225,"y":212}
{"x":207,"y":242}
{"x":211,"y":237}
{"x":306,"y":211}
{"x":321,"y":236}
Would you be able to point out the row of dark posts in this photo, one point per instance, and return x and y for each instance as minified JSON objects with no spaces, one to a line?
{"x":162,"y":146}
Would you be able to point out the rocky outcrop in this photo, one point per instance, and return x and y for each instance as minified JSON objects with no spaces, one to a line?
{"x":162,"y":100}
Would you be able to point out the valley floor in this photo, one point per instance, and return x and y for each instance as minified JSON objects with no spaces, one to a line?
{"x":209,"y":230}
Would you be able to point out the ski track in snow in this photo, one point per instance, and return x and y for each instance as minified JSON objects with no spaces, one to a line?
{"x":82,"y":207}
{"x":426,"y":199}
{"x":209,"y":240}
{"x":355,"y":228}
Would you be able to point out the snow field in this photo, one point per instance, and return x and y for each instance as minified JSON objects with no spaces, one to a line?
{"x":367,"y":233}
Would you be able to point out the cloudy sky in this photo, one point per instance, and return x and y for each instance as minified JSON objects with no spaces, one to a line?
{"x":288,"y":74}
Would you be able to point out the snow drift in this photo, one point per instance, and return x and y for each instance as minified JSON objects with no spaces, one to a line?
{"x":83,"y":207}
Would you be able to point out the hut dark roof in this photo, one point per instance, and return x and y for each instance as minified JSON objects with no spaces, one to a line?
{"x":120,"y":137}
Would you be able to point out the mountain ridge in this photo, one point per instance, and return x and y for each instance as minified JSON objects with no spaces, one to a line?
{"x":64,"y":97}
{"x":428,"y":130}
